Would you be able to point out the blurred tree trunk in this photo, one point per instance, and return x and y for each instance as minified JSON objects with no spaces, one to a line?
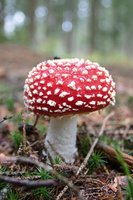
{"x":31,"y":6}
{"x":51,"y":18}
{"x":69,"y":16}
{"x":116,"y":9}
{"x":122,"y":25}
{"x":2,"y":15}
{"x":129,"y":27}
{"x":93,"y":28}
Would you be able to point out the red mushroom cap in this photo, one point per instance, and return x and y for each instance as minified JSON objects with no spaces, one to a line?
{"x":68,"y":86}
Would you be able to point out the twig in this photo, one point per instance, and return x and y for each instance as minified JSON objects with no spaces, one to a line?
{"x":5,"y":118}
{"x":28,"y":183}
{"x":112,"y":154}
{"x":83,"y":164}
{"x":24,"y":133}
{"x":14,"y":159}
{"x":36,"y":120}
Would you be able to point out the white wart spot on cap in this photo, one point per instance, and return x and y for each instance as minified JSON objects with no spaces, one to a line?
{"x":93,"y":87}
{"x":88,"y":67}
{"x":93,"y":66}
{"x":81,"y":79}
{"x":70,"y":98}
{"x":101,"y":103}
{"x":88,"y":88}
{"x":49,"y":92}
{"x":79,"y":103}
{"x":39,"y":100}
{"x":65,"y":75}
{"x":59,"y":82}
{"x":85,"y":72}
{"x":40,"y":93}
{"x":37,"y":77}
{"x":102,"y":80}
{"x":44,"y":75}
{"x":105,"y":97}
{"x":31,"y":107}
{"x":99,"y":95}
{"x":51,"y":71}
{"x":92,"y":103}
{"x":31,"y":80}
{"x":88,"y":80}
{"x":32,"y":86}
{"x":38,"y":66}
{"x":99,"y":73}
{"x":104,"y":89}
{"x":44,"y":67}
{"x":74,"y":69}
{"x":30,"y":94}
{"x":44,"y":108}
{"x":107,"y":80}
{"x":56,"y":91}
{"x":87,"y":96}
{"x":99,"y":87}
{"x":36,"y":83}
{"x":42,"y":81}
{"x":72,"y":85}
{"x":35,"y":91}
{"x":63,"y":94}
{"x":39,"y":108}
{"x":49,"y":84}
{"x":51,"y":103}
{"x":94,"y":77}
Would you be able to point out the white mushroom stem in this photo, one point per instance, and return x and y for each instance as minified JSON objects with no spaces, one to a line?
{"x":61,"y":138}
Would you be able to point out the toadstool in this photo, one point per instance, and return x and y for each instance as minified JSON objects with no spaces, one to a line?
{"x":61,"y":89}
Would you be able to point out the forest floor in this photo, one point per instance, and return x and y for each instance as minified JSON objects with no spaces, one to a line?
{"x":107,"y":174}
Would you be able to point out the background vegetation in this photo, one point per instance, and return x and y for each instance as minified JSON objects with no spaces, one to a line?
{"x":70,"y":27}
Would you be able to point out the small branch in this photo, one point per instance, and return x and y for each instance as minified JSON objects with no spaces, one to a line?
{"x":28,"y":183}
{"x":36,"y":120}
{"x":112,"y":154}
{"x":24,"y":133}
{"x":14,"y":159}
{"x":83,"y":164}
{"x":5,"y":118}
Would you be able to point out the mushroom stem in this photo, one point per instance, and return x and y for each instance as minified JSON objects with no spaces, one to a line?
{"x":61,"y":138}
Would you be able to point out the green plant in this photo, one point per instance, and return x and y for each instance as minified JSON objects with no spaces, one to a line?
{"x":97,"y":159}
{"x":129,"y":188}
{"x":42,"y":129}
{"x":17,"y":118}
{"x":130,"y":100}
{"x":42,"y":193}
{"x":2,"y":185}
{"x":9,"y":103}
{"x":16,"y":138}
{"x":57,"y":160}
{"x":11,"y":195}
{"x":85,"y":145}
{"x":2,"y":170}
{"x":43,"y":174}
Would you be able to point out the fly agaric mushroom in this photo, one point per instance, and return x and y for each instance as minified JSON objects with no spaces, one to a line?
{"x":61,"y":89}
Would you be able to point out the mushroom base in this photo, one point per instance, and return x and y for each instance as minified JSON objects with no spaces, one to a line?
{"x":61,"y":138}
